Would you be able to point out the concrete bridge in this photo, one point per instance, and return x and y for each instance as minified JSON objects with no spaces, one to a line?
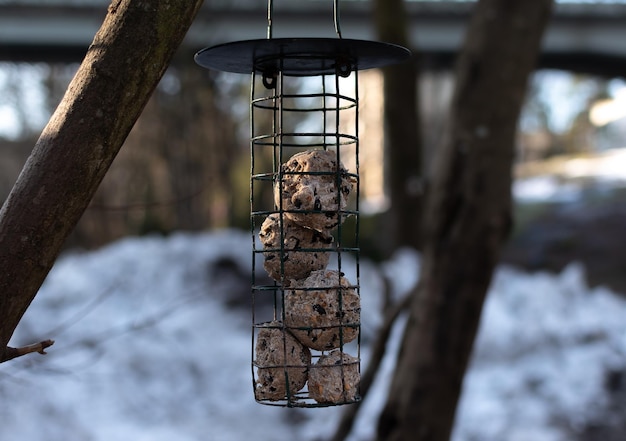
{"x":588,"y":38}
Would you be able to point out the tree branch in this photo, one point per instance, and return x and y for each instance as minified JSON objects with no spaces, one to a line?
{"x":379,"y":348}
{"x":11,"y":353}
{"x":123,"y":65}
{"x":467,"y":218}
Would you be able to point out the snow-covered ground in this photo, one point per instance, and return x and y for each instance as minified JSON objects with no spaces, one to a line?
{"x":153,"y":343}
{"x":146,"y":350}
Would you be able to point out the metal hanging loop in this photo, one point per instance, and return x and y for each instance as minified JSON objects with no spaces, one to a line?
{"x":270,"y":15}
{"x":269,"y":79}
{"x":336,"y":17}
{"x":343,"y":67}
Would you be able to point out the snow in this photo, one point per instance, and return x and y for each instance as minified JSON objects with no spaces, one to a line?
{"x":146,"y":349}
{"x":605,"y":170}
{"x":542,"y":353}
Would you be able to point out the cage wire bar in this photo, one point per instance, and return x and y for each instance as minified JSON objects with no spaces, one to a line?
{"x":304,"y":210}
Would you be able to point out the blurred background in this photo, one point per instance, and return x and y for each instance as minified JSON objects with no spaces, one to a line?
{"x":185,"y":169}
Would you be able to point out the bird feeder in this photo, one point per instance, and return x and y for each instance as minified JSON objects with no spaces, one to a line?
{"x":304,"y":200}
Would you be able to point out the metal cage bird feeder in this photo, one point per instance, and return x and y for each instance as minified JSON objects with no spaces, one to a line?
{"x":304,"y":198}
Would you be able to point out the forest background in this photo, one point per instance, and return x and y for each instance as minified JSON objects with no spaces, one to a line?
{"x":185,"y":165}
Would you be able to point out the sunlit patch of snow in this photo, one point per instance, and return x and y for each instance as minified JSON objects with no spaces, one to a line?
{"x":567,"y":181}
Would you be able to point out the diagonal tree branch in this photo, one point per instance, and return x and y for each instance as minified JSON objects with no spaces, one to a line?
{"x":391,"y":313}
{"x":123,"y":65}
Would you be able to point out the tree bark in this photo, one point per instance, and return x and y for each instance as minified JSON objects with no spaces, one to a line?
{"x":403,"y":154}
{"x":123,"y":65}
{"x":467,"y":220}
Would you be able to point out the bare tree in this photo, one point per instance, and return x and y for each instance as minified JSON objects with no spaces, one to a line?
{"x":467,"y":219}
{"x":402,"y":134}
{"x":123,"y":65}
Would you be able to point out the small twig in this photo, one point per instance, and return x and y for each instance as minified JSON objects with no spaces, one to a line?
{"x":388,"y":301}
{"x":11,"y":353}
{"x":391,"y":312}
{"x":86,"y":309}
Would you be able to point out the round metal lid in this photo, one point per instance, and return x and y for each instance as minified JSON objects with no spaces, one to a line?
{"x":300,"y":56}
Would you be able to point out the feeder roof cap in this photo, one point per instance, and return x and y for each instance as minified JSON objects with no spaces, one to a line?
{"x":300,"y":56}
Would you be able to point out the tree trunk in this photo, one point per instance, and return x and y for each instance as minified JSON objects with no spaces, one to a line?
{"x":403,"y":154}
{"x":122,"y":67}
{"x":467,"y":220}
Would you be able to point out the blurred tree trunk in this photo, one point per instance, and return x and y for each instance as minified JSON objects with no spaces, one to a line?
{"x":467,"y":220}
{"x":403,"y":154}
{"x":122,"y":67}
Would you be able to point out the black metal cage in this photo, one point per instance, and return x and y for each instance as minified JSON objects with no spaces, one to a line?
{"x":304,"y":200}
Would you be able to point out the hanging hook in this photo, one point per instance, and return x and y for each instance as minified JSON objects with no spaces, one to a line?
{"x":336,"y":17}
{"x":270,"y":13}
